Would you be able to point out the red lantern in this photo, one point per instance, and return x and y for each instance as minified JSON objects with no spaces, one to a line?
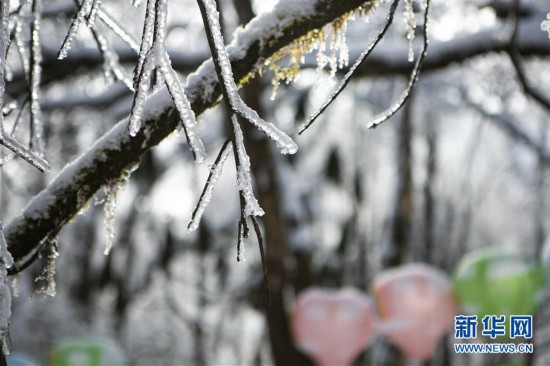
{"x":416,"y":306}
{"x":332,"y":327}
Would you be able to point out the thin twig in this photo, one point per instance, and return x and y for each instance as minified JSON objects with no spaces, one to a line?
{"x":384,"y":116}
{"x":215,"y":171}
{"x":262,"y":256}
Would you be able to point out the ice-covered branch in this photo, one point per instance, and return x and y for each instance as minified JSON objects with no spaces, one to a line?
{"x":116,"y":151}
{"x":5,"y":138}
{"x":153,"y":57}
{"x":206,"y":195}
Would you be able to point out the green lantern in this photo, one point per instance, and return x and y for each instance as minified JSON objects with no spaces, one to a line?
{"x":491,"y":282}
{"x":87,"y":352}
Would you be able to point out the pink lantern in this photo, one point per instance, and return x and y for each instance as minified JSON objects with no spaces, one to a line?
{"x":416,"y":306}
{"x":332,"y":327}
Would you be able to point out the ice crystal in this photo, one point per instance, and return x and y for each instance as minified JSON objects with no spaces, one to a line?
{"x":410,"y":25}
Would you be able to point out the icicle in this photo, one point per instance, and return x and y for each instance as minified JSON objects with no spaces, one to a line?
{"x":285,"y":143}
{"x":109,"y":205}
{"x":338,"y":45}
{"x":545,"y":25}
{"x":240,"y":242}
{"x":46,"y":279}
{"x":93,"y":13}
{"x":244,"y":180}
{"x":14,"y":286}
{"x":410,"y":24}
{"x":109,"y":210}
{"x":36,"y":72}
{"x":79,"y":18}
{"x":206,"y":196}
{"x":118,"y":30}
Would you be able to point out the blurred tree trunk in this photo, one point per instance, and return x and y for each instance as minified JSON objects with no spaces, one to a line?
{"x":278,"y":253}
{"x":397,"y":246}
{"x":429,"y":201}
{"x":540,"y":194}
{"x":277,"y":248}
{"x":540,"y":318}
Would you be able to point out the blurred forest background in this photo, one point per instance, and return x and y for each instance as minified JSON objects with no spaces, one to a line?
{"x":462,"y":166}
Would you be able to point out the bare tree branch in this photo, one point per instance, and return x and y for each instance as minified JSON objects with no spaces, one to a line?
{"x":517,"y":61}
{"x":509,"y":124}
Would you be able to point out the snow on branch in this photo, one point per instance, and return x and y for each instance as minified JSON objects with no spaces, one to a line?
{"x":117,"y":151}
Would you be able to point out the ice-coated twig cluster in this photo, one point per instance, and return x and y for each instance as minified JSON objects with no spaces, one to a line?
{"x":154,"y":65}
{"x":364,"y":55}
{"x":410,"y":22}
{"x":250,"y":208}
{"x":31,"y":57}
{"x":89,"y":11}
{"x":384,"y":116}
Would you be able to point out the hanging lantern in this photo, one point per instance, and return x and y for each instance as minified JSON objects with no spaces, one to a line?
{"x":331,"y":326}
{"x":492,"y":282}
{"x":87,"y":352}
{"x":416,"y":307}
